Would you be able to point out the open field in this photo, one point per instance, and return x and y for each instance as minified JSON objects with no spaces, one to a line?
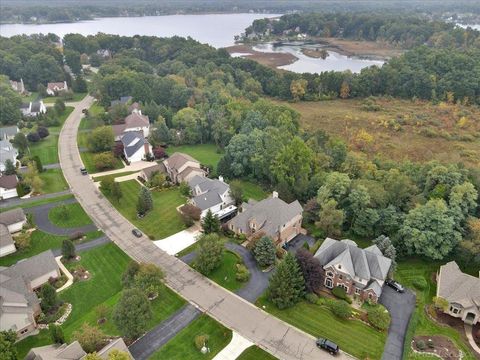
{"x":255,"y":353}
{"x":69,"y":216}
{"x":182,"y":346}
{"x":207,"y":154}
{"x":162,"y":221}
{"x":401,"y":129}
{"x":53,"y":181}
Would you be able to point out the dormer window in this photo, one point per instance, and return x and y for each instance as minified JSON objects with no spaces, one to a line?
{"x":329,"y":274}
{"x":339,"y":266}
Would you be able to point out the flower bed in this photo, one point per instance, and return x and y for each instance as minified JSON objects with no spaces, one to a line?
{"x":438,"y":345}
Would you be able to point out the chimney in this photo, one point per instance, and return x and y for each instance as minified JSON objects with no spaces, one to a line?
{"x":220,"y":178}
{"x":275,"y":194}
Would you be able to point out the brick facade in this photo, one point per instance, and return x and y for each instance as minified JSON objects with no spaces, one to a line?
{"x":333,"y":278}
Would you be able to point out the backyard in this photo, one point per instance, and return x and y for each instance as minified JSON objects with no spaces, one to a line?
{"x":207,"y":154}
{"x":252,"y":191}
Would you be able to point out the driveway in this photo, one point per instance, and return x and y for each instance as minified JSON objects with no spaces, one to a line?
{"x":144,"y":347}
{"x":179,"y":241}
{"x":85,"y":246}
{"x":401,"y":307}
{"x":298,"y":241}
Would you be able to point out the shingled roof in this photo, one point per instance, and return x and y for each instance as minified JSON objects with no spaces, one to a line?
{"x":132,"y":141}
{"x":13,"y":216}
{"x":8,"y":181}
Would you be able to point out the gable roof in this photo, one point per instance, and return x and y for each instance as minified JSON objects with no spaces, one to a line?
{"x":135,"y":120}
{"x":5,"y":237}
{"x":210,"y":191}
{"x":71,"y":351}
{"x":8,"y":181}
{"x":132,"y":141}
{"x":56,"y":85}
{"x":32,"y":267}
{"x":13,"y":216}
{"x":8,"y":131}
{"x":154,"y":168}
{"x":178,"y":159}
{"x":457,"y":287}
{"x":36,"y":106}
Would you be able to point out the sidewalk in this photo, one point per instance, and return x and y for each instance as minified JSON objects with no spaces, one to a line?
{"x":136,"y":166}
{"x":237,"y":345}
{"x":468,"y":332}
{"x":67,"y":273}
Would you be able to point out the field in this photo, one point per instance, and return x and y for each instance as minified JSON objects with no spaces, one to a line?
{"x":320,"y":322}
{"x":52,"y":99}
{"x":69,"y":216}
{"x":162,"y":221}
{"x":400,"y":129}
{"x":182,"y":346}
{"x":207,"y":154}
{"x":255,"y":353}
{"x":53,"y":181}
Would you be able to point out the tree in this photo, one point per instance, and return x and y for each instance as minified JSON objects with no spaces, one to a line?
{"x":344,"y":90}
{"x":311,"y":270}
{"x":330,"y":219}
{"x":336,"y":186}
{"x":43,"y":132}
{"x":118,"y":355}
{"x":68,"y":249}
{"x":265,"y":252}
{"x":149,"y":279}
{"x":429,"y":230}
{"x":145,"y":201}
{"x":462,"y":202}
{"x":191,"y":211}
{"x":10,"y":168}
{"x":116,"y":191}
{"x":31,"y":178}
{"x":7,"y":345}
{"x":379,"y":317}
{"x":341,"y":309}
{"x":236,"y":191}
{"x":101,"y":139}
{"x":59,"y":106}
{"x":79,"y":85}
{"x":38,"y":163}
{"x":209,"y":254}
{"x":56,"y":333}
{"x":20,"y":142}
{"x":210,"y":223}
{"x":128,"y":277}
{"x":298,"y":88}
{"x":92,"y":356}
{"x":91,"y":338}
{"x":106,"y":185}
{"x":33,"y":137}
{"x":118,"y":149}
{"x":48,"y":295}
{"x":386,"y":247}
{"x":104,"y":161}
{"x":286,"y":286}
{"x":159,"y":152}
{"x":132,"y":313}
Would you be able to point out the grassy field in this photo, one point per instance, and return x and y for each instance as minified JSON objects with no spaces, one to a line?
{"x":350,"y":335}
{"x":252,"y":191}
{"x":207,"y":154}
{"x":401,"y":129}
{"x":225,"y":274}
{"x":255,"y":353}
{"x":38,"y":202}
{"x":46,"y":149}
{"x":182,"y":346}
{"x":75,"y":216}
{"x":76,"y":97}
{"x":420,"y":324}
{"x":53,"y":181}
{"x":88,"y":162}
{"x":163,"y":220}
{"x":113,"y":176}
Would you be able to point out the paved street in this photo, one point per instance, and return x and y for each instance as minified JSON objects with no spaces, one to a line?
{"x":270,"y":333}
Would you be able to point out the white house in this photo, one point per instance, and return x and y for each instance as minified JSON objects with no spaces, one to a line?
{"x":133,"y":122}
{"x":212,"y":194}
{"x":53,"y":88}
{"x":8,"y":186}
{"x":8,"y":132}
{"x":7,"y":245}
{"x":18,"y":86}
{"x":33,"y":108}
{"x":135,"y":146}
{"x":7,"y":152}
{"x":14,"y":219}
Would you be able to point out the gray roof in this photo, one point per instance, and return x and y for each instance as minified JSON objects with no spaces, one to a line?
{"x":122,"y":100}
{"x":8,"y":181}
{"x":32,"y":267}
{"x":153,"y":169}
{"x":7,"y":151}
{"x":36,"y":106}
{"x":177,"y":160}
{"x":210,"y":191}
{"x":207,"y":200}
{"x":5,"y":237}
{"x":8,"y":131}
{"x":71,"y":351}
{"x":270,"y":215}
{"x":130,"y":145}
{"x":13,"y":216}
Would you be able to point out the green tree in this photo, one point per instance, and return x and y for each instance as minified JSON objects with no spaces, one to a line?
{"x":118,"y":355}
{"x":128,"y":277}
{"x":101,"y":139}
{"x":236,"y":191}
{"x":116,"y":191}
{"x":145,"y":201}
{"x":210,"y":223}
{"x":92,"y":356}
{"x":149,"y":279}
{"x":209,"y":254}
{"x":388,"y":249}
{"x":10,"y":168}
{"x":7,"y":345}
{"x":379,"y":317}
{"x":68,"y":249}
{"x":31,"y":178}
{"x":265,"y":252}
{"x":41,"y":69}
{"x":56,"y":333}
{"x":59,"y":106}
{"x":330,"y":219}
{"x":91,"y":338}
{"x":286,"y":286}
{"x":132,"y":313}
{"x":20,"y":142}
{"x":48,"y":295}
{"x":336,"y":186}
{"x":104,"y":161}
{"x":106,"y":185}
{"x":463,"y":201}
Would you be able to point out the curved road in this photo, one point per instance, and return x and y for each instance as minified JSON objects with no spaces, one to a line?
{"x":270,"y":333}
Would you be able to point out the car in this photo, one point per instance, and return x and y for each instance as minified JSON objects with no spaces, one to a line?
{"x":137,"y":233}
{"x":83,"y":171}
{"x":328,"y":345}
{"x":395,"y":285}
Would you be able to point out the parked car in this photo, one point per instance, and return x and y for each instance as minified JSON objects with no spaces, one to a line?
{"x":395,"y":285}
{"x":137,"y":233}
{"x":328,"y":345}
{"x":83,"y":171}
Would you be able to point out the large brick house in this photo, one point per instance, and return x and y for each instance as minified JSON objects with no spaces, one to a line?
{"x":182,"y":168}
{"x":361,"y":272}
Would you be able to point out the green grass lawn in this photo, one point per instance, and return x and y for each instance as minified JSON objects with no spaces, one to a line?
{"x":252,"y":191}
{"x":38,"y":202}
{"x":52,"y":99}
{"x":75,"y":216}
{"x":53,"y":181}
{"x":163,"y":220}
{"x":420,"y":324}
{"x":205,"y":153}
{"x":225,"y":274}
{"x":182,"y":346}
{"x":255,"y":353}
{"x":353,"y":336}
{"x":113,"y":176}
{"x":88,"y":162}
{"x":46,"y":149}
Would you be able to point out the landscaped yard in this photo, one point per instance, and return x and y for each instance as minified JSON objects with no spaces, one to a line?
{"x":182,"y":346}
{"x":163,"y":220}
{"x":88,"y":162}
{"x":53,"y":181}
{"x":52,"y":99}
{"x":255,"y":353}
{"x":252,"y":191}
{"x":69,"y":216}
{"x":207,"y":154}
{"x":113,"y":176}
{"x":225,"y":274}
{"x":353,"y":336}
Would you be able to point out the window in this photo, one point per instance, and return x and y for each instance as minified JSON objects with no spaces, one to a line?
{"x":344,"y":287}
{"x":339,"y":266}
{"x":329,"y":283}
{"x":370,"y":296}
{"x":329,"y":274}
{"x":357,"y":291}
{"x":24,"y":331}
{"x":231,"y":226}
{"x":454,"y":310}
{"x":340,"y":277}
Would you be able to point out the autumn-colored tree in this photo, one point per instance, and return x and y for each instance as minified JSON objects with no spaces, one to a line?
{"x":298,"y":88}
{"x":345,"y":90}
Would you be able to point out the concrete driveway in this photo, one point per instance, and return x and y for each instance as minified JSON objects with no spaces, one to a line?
{"x":401,"y":307}
{"x":179,"y":241}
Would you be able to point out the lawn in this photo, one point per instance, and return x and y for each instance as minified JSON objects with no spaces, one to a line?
{"x":69,"y":216}
{"x":76,"y":97}
{"x":420,"y":324}
{"x":350,"y":335}
{"x":53,"y":181}
{"x":207,"y":154}
{"x":163,"y":220}
{"x":38,"y":202}
{"x":182,"y":346}
{"x":255,"y":353}
{"x":252,"y":191}
{"x":225,"y":274}
{"x":88,"y":162}
{"x":113,"y":176}
{"x":46,"y":149}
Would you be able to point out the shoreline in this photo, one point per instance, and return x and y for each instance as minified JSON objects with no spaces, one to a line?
{"x":273,"y":59}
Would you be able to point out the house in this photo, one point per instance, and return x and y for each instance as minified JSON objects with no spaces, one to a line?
{"x":8,"y":132}
{"x":8,"y":186}
{"x":133,"y":122}
{"x":361,"y":272}
{"x":53,"y":88}
{"x":134,"y":108}
{"x":74,"y":351}
{"x":135,"y":146}
{"x":213,"y":195}
{"x":7,"y":152}
{"x":14,"y":219}
{"x":182,"y":168}
{"x":19,"y":305}
{"x":7,"y":245}
{"x":33,"y":108}
{"x":123,"y":101}
{"x":461,"y":291}
{"x":272,"y":216}
{"x":147,"y":173}
{"x":18,"y":86}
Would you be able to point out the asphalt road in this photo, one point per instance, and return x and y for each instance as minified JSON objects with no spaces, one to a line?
{"x":277,"y":337}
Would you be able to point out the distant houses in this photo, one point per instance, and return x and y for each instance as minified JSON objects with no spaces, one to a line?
{"x":33,"y":109}
{"x":8,"y":186}
{"x":212,"y":194}
{"x":54,"y":88}
{"x":7,"y":152}
{"x":18,"y":86}
{"x":8,"y":132}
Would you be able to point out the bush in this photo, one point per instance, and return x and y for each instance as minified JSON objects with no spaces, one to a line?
{"x":341,"y":309}
{"x":242,"y":273}
{"x":56,"y":334}
{"x":22,"y":189}
{"x":22,"y":241}
{"x":420,"y":283}
{"x":200,"y":341}
{"x":191,"y":211}
{"x":33,"y":137}
{"x":430,"y":343}
{"x":421,"y":345}
{"x":76,"y":235}
{"x":379,"y":317}
{"x":311,"y":298}
{"x":43,"y":132}
{"x":340,"y":293}
{"x":104,"y":161}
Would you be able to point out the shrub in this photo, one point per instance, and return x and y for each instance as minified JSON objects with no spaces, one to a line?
{"x":43,"y":132}
{"x":379,"y":317}
{"x":101,"y":311}
{"x":340,"y":293}
{"x":76,"y":235}
{"x":33,"y":137}
{"x":104,"y":161}
{"x":187,"y":220}
{"x":311,"y":298}
{"x":22,"y":189}
{"x":200,"y":341}
{"x":22,"y":241}
{"x":341,"y":309}
{"x":420,"y":283}
{"x":192,"y":211}
{"x":242,"y":273}
{"x":56,"y":334}
{"x":421,"y":345}
{"x":430,"y":343}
